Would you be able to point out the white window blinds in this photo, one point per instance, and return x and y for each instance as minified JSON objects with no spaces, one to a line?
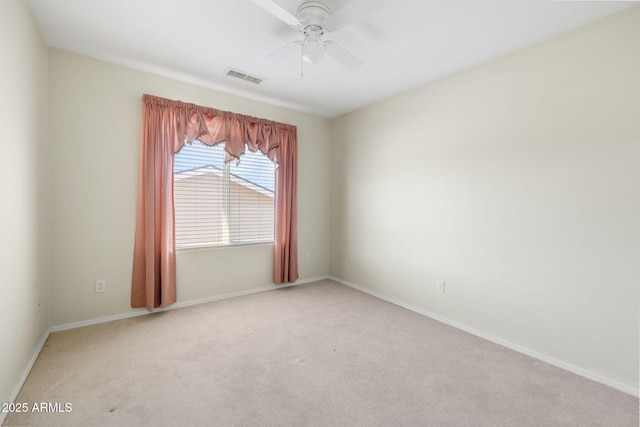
{"x":219,"y":203}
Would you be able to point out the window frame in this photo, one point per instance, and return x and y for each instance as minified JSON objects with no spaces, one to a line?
{"x":227,"y":192}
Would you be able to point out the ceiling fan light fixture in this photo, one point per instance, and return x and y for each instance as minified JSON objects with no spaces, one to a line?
{"x":312,"y":47}
{"x":312,"y":51}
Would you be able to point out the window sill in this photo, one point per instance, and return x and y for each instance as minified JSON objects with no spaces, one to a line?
{"x":227,"y":246}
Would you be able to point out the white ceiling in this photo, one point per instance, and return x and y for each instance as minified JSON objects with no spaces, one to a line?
{"x":404,"y":45}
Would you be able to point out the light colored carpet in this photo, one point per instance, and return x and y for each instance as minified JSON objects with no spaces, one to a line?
{"x":319,"y":354}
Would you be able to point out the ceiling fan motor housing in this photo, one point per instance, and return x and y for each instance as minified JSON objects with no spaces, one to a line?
{"x":313,"y":14}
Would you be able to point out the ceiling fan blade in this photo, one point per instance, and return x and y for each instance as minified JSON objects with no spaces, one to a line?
{"x":279,"y":12}
{"x":353,"y":12}
{"x":344,"y":57}
{"x":283,"y":52}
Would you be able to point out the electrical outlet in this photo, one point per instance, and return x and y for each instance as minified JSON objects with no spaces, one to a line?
{"x":440,"y":286}
{"x":101,"y":285}
{"x":309,"y":258}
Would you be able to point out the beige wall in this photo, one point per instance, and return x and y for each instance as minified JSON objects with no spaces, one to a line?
{"x":517,"y":183}
{"x":95,"y":127}
{"x":24,"y":300}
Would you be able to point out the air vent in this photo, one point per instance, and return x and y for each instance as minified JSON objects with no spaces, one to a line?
{"x":243,"y":76}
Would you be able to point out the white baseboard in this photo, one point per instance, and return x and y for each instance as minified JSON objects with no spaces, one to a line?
{"x":143,"y":311}
{"x":136,"y":313}
{"x":520,"y":349}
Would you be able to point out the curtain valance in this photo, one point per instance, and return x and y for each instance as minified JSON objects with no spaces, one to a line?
{"x":211,"y":126}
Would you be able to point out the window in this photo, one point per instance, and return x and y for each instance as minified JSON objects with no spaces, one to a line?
{"x":218,"y":203}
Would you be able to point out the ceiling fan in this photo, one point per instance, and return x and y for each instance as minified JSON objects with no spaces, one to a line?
{"x":313,"y":20}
